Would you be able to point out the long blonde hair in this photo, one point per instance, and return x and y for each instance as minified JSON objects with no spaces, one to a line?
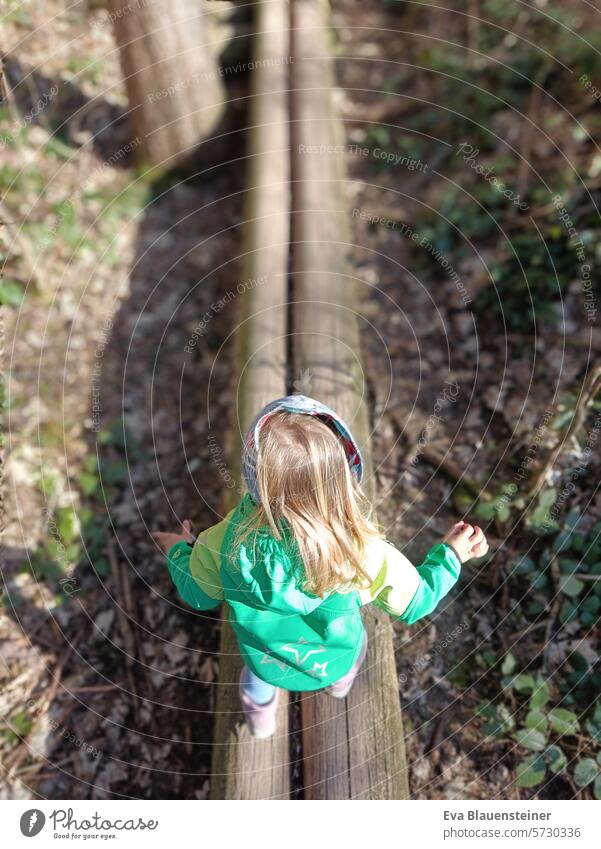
{"x":309,"y":495}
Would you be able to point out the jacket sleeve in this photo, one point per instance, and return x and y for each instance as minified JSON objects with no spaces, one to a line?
{"x":407,"y":592}
{"x":195,"y":569}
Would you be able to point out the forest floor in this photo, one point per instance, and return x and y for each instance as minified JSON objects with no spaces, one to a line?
{"x":108,"y":682}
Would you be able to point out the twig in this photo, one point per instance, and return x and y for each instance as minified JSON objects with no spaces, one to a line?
{"x":449,"y":469}
{"x":589,"y":389}
{"x":36,"y":767}
{"x":433,"y":748}
{"x":100,"y":688}
{"x":18,"y":756}
{"x":532,"y":626}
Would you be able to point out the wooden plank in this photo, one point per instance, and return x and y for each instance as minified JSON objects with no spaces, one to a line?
{"x":352,"y":748}
{"x":245,"y":768}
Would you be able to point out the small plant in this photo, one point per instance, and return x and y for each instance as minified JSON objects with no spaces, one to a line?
{"x":543,"y":730}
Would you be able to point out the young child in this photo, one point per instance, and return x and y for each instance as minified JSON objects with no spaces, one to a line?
{"x":299,"y":556}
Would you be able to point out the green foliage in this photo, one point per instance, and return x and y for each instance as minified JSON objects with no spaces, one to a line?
{"x":531,"y":738}
{"x":575,"y":553}
{"x":20,"y":726}
{"x":563,"y":721}
{"x":14,"y":181}
{"x":54,"y":146}
{"x":69,"y":228}
{"x":527,"y":284}
{"x":67,"y":523}
{"x":531,"y":771}
{"x":586,"y":772}
{"x":508,"y":664}
{"x":541,"y":519}
{"x":593,"y":724}
{"x":524,"y":684}
{"x":533,"y":264}
{"x":557,"y":759}
{"x":18,"y":14}
{"x":11,"y":293}
{"x":536,"y":720}
{"x":86,"y":67}
{"x":532,"y":272}
{"x":541,"y":734}
{"x":498,"y":718}
{"x":78,"y":538}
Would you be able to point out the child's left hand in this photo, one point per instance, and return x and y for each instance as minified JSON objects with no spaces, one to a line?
{"x":166,"y":540}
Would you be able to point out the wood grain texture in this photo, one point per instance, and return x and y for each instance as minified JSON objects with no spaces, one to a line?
{"x":244,"y":768}
{"x":176,"y":95}
{"x":353,"y":748}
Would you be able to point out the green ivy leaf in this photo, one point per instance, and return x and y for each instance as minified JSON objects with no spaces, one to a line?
{"x":67,"y":523}
{"x":563,"y":721}
{"x":524,"y":683}
{"x":508,"y":664}
{"x":568,"y":612}
{"x":597,"y":787}
{"x":572,"y":519}
{"x":578,"y":542}
{"x":503,"y":513}
{"x":499,"y":720}
{"x":562,"y":541}
{"x":567,"y":566}
{"x":540,"y":695}
{"x":556,"y":759}
{"x":591,"y":604}
{"x":541,"y":520}
{"x":547,"y":497}
{"x":536,"y":719}
{"x":115,"y":472}
{"x":531,"y":738}
{"x":578,"y":661}
{"x":88,"y":483}
{"x":525,"y":565}
{"x":102,"y":566}
{"x":586,"y":771}
{"x":489,"y":657}
{"x":485,"y":510}
{"x":571,"y":586}
{"x":531,"y":771}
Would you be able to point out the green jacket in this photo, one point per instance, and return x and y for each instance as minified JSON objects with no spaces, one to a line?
{"x":288,"y":637}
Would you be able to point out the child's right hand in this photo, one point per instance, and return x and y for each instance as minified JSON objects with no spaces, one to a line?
{"x":467,"y":540}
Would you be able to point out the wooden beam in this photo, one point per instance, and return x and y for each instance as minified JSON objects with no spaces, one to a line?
{"x":245,"y":768}
{"x":352,"y":748}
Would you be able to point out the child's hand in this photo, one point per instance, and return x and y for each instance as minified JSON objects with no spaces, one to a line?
{"x":467,"y":541}
{"x":478,"y":542}
{"x":166,"y":540}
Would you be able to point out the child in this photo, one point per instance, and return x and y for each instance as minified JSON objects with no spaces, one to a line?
{"x":299,"y":556}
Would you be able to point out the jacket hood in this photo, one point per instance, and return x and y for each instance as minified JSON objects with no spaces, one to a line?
{"x":296,"y":404}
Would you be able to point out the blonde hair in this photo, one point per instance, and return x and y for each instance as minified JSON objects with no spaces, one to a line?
{"x":310,"y":497}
